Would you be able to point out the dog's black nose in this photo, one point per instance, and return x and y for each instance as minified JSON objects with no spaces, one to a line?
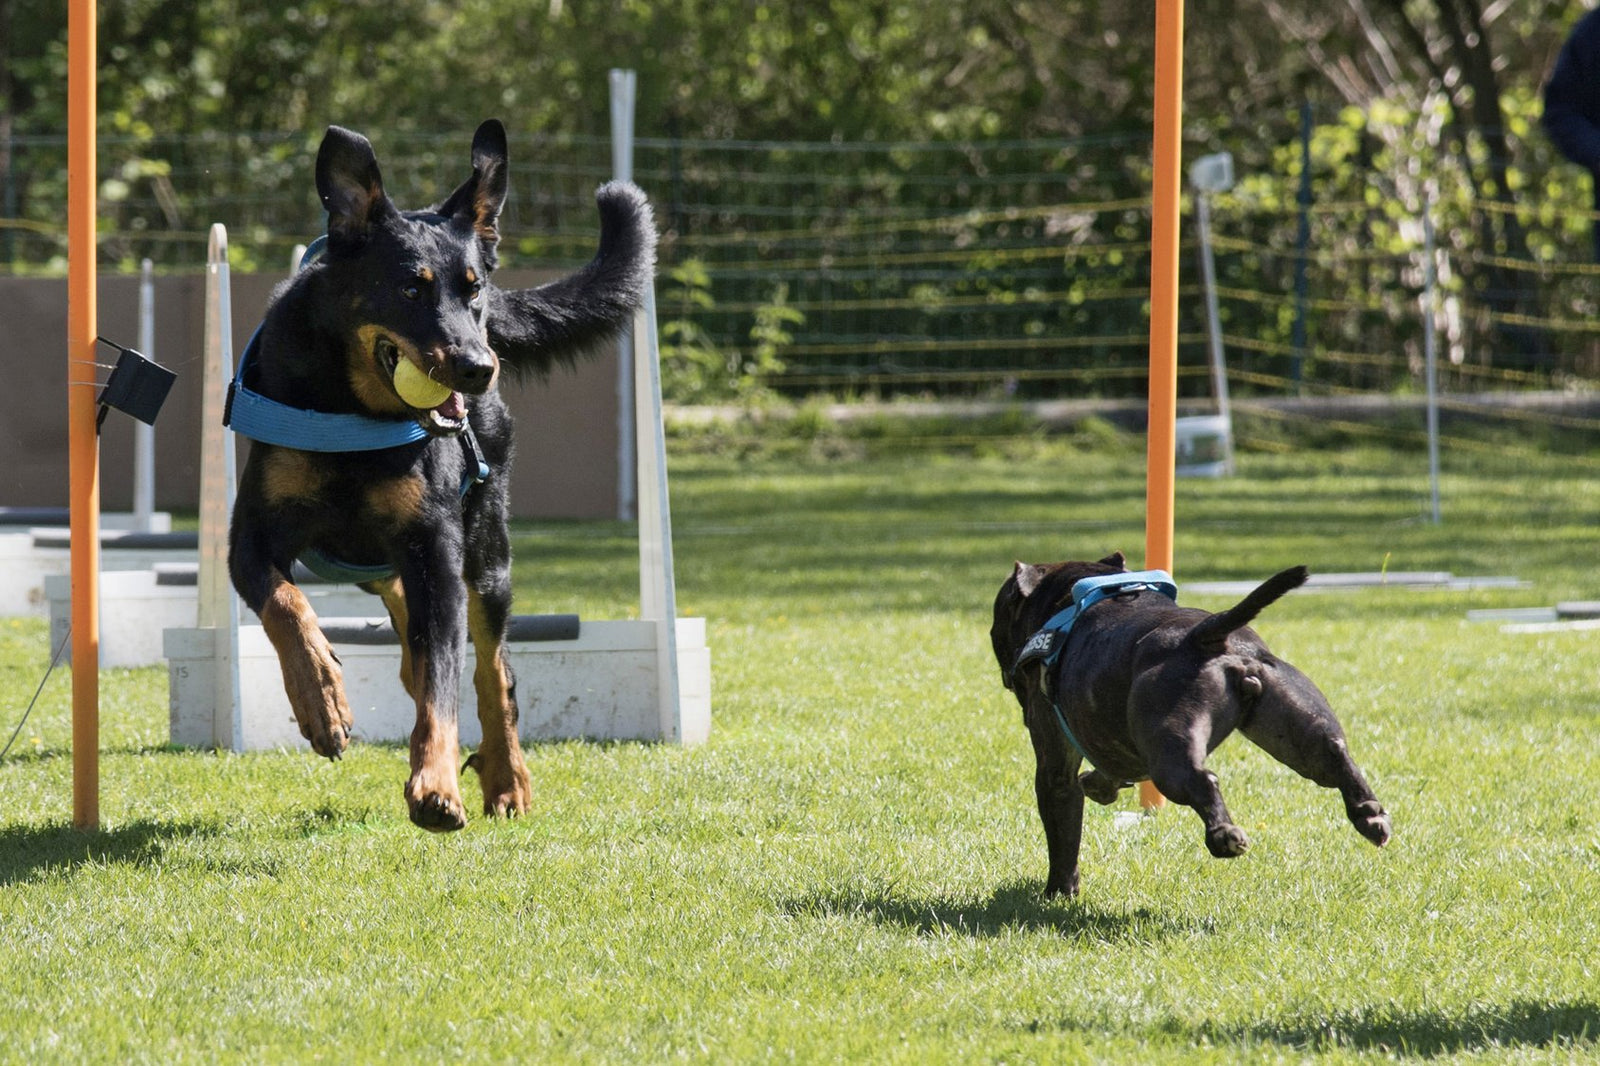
{"x":473,"y":371}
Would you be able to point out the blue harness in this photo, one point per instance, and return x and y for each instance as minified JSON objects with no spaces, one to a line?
{"x":252,"y":415}
{"x":1045,"y":646}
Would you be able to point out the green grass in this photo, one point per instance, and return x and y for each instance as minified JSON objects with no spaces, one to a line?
{"x":851,"y":869}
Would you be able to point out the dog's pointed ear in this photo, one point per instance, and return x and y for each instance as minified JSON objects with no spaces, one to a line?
{"x":479,"y":199}
{"x":1116,"y":559}
{"x":350,"y":186}
{"x":1027,"y":576}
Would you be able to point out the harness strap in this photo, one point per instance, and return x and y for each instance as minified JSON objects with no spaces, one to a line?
{"x":477,"y":471}
{"x":339,"y":572}
{"x":1045,"y":646}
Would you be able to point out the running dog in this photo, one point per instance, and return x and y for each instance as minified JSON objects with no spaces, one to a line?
{"x":398,"y":327}
{"x":1108,"y":668}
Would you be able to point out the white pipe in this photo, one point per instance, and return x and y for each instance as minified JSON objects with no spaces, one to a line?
{"x":1219,"y":372}
{"x":144,"y":434}
{"x":623,"y":86}
{"x":1430,"y":348}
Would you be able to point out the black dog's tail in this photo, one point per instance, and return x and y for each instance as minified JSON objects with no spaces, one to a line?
{"x":1212,"y":634}
{"x":564,"y":320}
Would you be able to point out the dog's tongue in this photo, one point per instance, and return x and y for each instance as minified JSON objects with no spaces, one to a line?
{"x":454,"y":408}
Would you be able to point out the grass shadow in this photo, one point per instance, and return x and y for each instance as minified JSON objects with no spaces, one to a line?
{"x":1015,"y":906}
{"x":28,"y":852}
{"x":1430,"y":1033}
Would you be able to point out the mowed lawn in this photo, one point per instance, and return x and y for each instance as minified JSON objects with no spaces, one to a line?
{"x":851,"y":869}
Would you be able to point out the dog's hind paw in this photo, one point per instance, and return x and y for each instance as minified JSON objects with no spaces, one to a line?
{"x":1371,"y":821}
{"x":1227,"y":841}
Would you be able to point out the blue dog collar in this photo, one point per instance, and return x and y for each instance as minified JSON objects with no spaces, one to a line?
{"x":1045,"y":646}
{"x":250,"y":414}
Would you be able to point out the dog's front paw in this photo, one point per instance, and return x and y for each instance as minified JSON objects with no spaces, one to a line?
{"x":1226,"y":841}
{"x":330,"y":736}
{"x":316,"y":695}
{"x":437,"y":813}
{"x":435,"y":804}
{"x":1371,"y":821}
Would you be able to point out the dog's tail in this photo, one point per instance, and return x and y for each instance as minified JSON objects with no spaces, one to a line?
{"x":564,"y":320}
{"x":1212,"y":634}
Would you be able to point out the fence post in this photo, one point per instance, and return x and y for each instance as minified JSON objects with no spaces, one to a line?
{"x":1303,"y":247}
{"x":1430,"y":348}
{"x":623,"y":85}
{"x":1213,"y":174}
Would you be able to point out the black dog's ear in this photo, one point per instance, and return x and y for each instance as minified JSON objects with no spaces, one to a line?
{"x":1027,"y":576}
{"x":350,"y":186}
{"x":1116,"y":559}
{"x":479,"y":199}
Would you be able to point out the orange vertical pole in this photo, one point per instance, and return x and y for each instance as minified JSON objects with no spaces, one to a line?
{"x":1161,"y":460}
{"x":83,"y":450}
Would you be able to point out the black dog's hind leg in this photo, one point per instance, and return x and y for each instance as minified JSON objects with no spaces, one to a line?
{"x":1290,"y":719}
{"x":502,"y":772}
{"x":1176,"y":755}
{"x":1060,"y":796}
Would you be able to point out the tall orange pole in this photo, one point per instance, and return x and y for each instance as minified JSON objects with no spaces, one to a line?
{"x":1161,"y":460}
{"x":83,"y":451}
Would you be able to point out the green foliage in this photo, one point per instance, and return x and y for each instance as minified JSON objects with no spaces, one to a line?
{"x":953,"y":195}
{"x":691,"y":366}
{"x":694,"y":369}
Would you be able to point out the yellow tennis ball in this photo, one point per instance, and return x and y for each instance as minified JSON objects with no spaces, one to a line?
{"x":417,"y":388}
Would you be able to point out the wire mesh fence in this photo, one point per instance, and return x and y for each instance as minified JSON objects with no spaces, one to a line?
{"x":1009,"y":270}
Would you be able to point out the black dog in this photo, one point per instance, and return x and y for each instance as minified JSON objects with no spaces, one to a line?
{"x":414,"y":519}
{"x":1145,"y":689}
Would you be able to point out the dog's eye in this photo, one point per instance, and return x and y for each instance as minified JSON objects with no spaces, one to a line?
{"x":411,"y":290}
{"x":475,"y":294}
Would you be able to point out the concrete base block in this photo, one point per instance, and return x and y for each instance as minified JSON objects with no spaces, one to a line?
{"x":136,"y":606}
{"x":25,"y":563}
{"x":599,"y":686}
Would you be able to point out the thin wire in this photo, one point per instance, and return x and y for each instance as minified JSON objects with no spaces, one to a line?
{"x":54,"y":659}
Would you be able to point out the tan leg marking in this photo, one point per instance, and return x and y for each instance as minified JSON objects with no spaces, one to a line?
{"x":433,"y":792}
{"x":502,"y":772}
{"x":393,"y":594}
{"x":311,"y":674}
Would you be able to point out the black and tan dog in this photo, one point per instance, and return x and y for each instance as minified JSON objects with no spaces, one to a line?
{"x":395,"y":287}
{"x":1145,"y":690}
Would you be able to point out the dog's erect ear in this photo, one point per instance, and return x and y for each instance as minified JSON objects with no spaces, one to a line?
{"x":1027,"y":576}
{"x":479,"y":199}
{"x":350,"y":186}
{"x":1116,"y":559}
